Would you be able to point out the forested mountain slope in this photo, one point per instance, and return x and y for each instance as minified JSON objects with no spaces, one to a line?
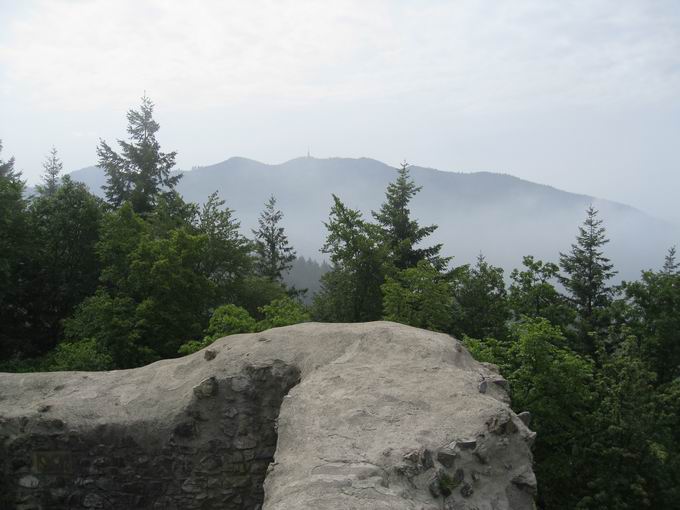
{"x":500,"y":215}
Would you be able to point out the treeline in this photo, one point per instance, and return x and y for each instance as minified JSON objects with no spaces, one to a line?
{"x":91,"y":284}
{"x":94,"y":284}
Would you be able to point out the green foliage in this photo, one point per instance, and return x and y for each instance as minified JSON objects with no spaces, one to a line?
{"x":283,"y":312}
{"x":533,"y":294}
{"x":274,"y":254}
{"x":226,"y":320}
{"x":418,"y":296}
{"x":52,"y":168}
{"x":66,"y":218}
{"x":553,"y":383}
{"x":587,"y":272}
{"x":110,"y":322}
{"x":480,"y":299}
{"x":172,"y":295}
{"x":399,"y":232}
{"x":16,"y":246}
{"x":351,"y":290}
{"x":159,"y":284}
{"x":254,"y":292}
{"x":655,"y":319}
{"x":84,"y":355}
{"x":625,"y":448}
{"x":141,"y":173}
{"x":230,"y":320}
{"x":364,"y":254}
{"x":86,"y":287}
{"x":226,"y":259}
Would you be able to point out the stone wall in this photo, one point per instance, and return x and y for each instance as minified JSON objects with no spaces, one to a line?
{"x":216,"y":456}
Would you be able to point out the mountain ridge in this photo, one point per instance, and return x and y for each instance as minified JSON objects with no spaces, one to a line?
{"x":498,"y":214}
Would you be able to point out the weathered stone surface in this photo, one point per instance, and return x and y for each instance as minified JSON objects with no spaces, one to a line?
{"x":368,"y":416}
{"x":525,"y":416}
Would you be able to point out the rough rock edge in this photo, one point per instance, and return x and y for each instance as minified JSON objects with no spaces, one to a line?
{"x":383,"y":416}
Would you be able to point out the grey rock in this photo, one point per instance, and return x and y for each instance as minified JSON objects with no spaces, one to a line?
{"x":426,"y":459}
{"x":206,"y":388}
{"x":206,"y":431}
{"x":465,"y":444}
{"x":446,"y":458}
{"x":412,"y":456}
{"x":526,"y":481}
{"x":499,"y":381}
{"x":434,"y":487}
{"x":525,"y":416}
{"x":466,"y":490}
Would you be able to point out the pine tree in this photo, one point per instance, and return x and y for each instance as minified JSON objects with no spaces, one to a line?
{"x":52,"y":174}
{"x":141,"y":173}
{"x":402,"y":234}
{"x":274,"y":255}
{"x":670,"y":265}
{"x":481,"y":301}
{"x":227,"y":256}
{"x":588,"y":271}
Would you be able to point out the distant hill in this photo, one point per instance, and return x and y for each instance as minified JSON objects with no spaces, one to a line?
{"x":499,"y":215}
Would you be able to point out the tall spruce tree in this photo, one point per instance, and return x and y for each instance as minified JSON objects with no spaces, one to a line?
{"x":51,"y":174}
{"x":587,"y":272}
{"x":670,"y":263}
{"x":141,"y":173}
{"x":399,"y":232}
{"x":275,"y":256}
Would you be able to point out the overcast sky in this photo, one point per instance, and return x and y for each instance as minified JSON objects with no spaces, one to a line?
{"x":583,"y":95}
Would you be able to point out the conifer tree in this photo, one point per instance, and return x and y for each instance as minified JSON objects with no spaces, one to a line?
{"x":141,"y":173}
{"x":399,"y":232}
{"x":15,"y":250}
{"x":670,"y":264}
{"x":481,"y":299}
{"x":52,"y":174}
{"x":274,"y":254}
{"x":7,"y":169}
{"x":587,"y":271}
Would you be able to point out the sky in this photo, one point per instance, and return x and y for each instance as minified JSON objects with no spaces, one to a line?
{"x":583,"y":95}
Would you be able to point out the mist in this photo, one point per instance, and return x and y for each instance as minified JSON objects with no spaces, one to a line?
{"x":497,"y":215}
{"x":580,"y":96}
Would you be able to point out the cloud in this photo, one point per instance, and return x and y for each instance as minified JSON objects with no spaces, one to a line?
{"x":467,"y":55}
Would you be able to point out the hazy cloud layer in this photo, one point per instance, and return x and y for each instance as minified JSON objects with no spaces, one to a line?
{"x":581,"y":95}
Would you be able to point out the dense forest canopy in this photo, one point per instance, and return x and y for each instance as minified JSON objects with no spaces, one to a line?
{"x":93,"y":284}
